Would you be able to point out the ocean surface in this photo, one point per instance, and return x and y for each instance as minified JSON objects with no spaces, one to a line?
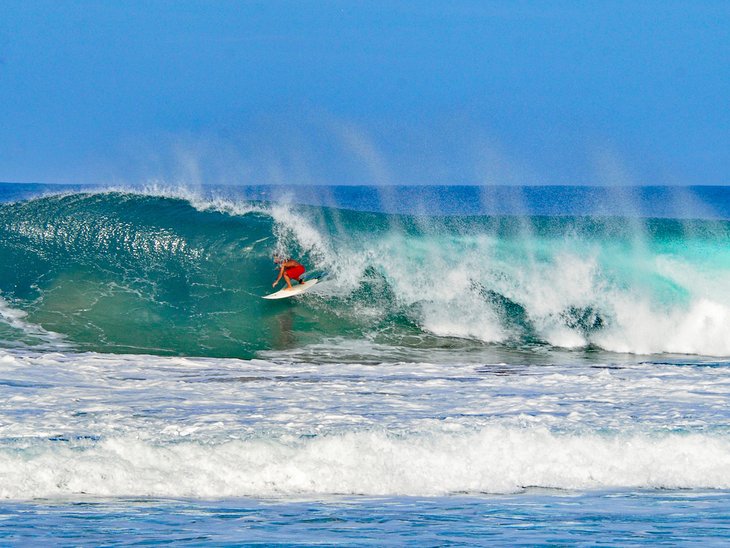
{"x":478,"y":366}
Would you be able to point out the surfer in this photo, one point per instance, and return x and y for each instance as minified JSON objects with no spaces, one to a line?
{"x":290,"y":270}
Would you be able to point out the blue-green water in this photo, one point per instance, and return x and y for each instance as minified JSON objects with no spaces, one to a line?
{"x":130,"y":272}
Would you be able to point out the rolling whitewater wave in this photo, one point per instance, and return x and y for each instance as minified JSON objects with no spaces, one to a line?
{"x":490,"y":460}
{"x":174,"y":273}
{"x":113,"y":425}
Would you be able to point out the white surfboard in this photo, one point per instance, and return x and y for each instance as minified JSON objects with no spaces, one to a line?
{"x":297,"y":289}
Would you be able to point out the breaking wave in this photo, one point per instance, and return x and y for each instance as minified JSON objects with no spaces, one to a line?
{"x":490,"y":460}
{"x":174,"y":273}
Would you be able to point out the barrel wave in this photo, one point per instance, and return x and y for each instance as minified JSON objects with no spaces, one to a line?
{"x":179,"y":274}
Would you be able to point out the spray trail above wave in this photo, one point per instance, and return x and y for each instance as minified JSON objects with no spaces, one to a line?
{"x":671,"y":202}
{"x":184,"y":275}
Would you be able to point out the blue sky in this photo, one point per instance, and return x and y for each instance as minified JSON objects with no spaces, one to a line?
{"x":365,"y":92}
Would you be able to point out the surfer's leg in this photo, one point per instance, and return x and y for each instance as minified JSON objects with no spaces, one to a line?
{"x":287,"y":280}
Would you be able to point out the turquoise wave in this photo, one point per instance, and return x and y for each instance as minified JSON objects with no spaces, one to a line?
{"x":167,"y":274}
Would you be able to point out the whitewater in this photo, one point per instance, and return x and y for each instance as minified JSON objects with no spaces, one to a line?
{"x":474,"y":359}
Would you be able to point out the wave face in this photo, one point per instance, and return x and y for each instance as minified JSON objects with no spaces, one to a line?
{"x":175,"y":274}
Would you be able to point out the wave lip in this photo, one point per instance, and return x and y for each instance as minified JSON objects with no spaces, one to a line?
{"x":492,"y":460}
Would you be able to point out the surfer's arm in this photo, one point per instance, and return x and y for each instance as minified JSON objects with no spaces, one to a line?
{"x":281,"y":273}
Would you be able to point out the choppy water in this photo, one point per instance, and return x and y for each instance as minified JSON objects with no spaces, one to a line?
{"x":605,"y":518}
{"x":563,"y":380}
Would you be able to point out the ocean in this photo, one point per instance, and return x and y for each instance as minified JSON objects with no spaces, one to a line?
{"x":479,"y":365}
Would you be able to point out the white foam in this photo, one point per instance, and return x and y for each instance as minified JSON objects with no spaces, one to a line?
{"x":492,"y":460}
{"x":11,"y":316}
{"x":16,"y":319}
{"x":636,"y":316}
{"x":131,"y":425}
{"x":704,"y":328}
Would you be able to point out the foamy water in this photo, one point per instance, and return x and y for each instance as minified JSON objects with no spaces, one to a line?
{"x":109,"y":425}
